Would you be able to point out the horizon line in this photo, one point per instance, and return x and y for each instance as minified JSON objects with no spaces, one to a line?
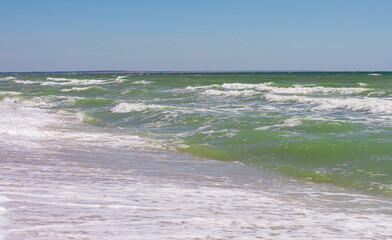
{"x":187,"y":71}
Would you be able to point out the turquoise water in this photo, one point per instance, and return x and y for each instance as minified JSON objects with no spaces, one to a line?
{"x":322,"y":127}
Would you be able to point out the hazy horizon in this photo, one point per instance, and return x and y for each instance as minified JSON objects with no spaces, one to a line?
{"x":195,"y":71}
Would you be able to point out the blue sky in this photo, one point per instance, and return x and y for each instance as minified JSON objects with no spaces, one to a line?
{"x":195,"y":35}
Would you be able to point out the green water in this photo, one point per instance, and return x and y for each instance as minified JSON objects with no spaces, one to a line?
{"x":324,"y":127}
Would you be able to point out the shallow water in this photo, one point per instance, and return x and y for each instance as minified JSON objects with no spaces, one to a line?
{"x":109,"y":157}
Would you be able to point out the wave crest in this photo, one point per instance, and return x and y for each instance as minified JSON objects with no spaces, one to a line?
{"x":134,"y":107}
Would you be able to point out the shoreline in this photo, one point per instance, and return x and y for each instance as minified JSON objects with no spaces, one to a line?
{"x":184,"y":199}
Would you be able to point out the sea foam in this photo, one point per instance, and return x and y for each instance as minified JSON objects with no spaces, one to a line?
{"x":120,"y":79}
{"x":68,"y":81}
{"x":23,"y":123}
{"x":76,"y":89}
{"x":142,"y":82}
{"x":372,"y":105}
{"x":3,"y":218}
{"x":7,"y":78}
{"x":233,"y":93}
{"x":134,"y":107}
{"x":296,"y":89}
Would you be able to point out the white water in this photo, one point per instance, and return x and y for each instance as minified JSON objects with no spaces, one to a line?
{"x":24,"y":124}
{"x":132,"y":107}
{"x":76,"y":89}
{"x":64,"y":184}
{"x":368,"y":104}
{"x":297,"y":89}
{"x":62,"y":179}
{"x":69,"y":81}
{"x":142,"y":82}
{"x":101,"y":193}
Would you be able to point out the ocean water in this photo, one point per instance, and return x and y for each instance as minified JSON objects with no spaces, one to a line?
{"x":196,"y":156}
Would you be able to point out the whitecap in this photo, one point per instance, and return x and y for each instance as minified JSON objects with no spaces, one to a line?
{"x":192,"y":88}
{"x":7,"y":78}
{"x":23,"y":124}
{"x":25,"y":81}
{"x":142,"y":82}
{"x":134,"y":107}
{"x":76,"y":82}
{"x":120,"y":79}
{"x":234,"y":93}
{"x":296,"y":89}
{"x":59,"y":79}
{"x":75,"y":89}
{"x":9,"y":93}
{"x":372,"y":105}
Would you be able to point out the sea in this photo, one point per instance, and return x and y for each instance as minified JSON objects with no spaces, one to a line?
{"x":302,"y":155}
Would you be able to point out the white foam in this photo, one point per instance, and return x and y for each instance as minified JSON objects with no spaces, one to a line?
{"x":66,"y":81}
{"x":22,"y":119}
{"x":9,"y":93}
{"x":98,"y":139}
{"x":368,"y":104}
{"x":59,"y":79}
{"x":191,"y":88}
{"x":134,"y":107}
{"x":143,"y":82}
{"x":234,"y":93}
{"x":374,"y":74}
{"x":362,"y":84}
{"x":7,"y":78}
{"x":3,"y":219}
{"x":23,"y":124}
{"x":190,"y":199}
{"x":296,"y":89}
{"x":75,"y":89}
{"x":25,"y":82}
{"x":241,"y":85}
{"x":120,"y":79}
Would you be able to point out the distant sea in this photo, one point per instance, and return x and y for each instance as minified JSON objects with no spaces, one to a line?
{"x":196,"y":156}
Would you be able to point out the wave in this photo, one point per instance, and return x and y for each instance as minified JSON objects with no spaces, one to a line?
{"x":75,"y":89}
{"x":268,"y":87}
{"x":59,"y":79}
{"x":290,"y":122}
{"x":4,"y":94}
{"x":80,"y":89}
{"x":234,"y":93}
{"x":134,"y":107}
{"x":22,"y":119}
{"x":296,"y":89}
{"x":24,"y":124}
{"x":191,"y":88}
{"x":120,"y":79}
{"x":25,"y":81}
{"x":66,"y":81}
{"x":7,"y":78}
{"x":143,"y":82}
{"x":355,"y":104}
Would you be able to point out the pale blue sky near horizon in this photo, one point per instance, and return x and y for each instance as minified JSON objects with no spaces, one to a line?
{"x":195,"y":35}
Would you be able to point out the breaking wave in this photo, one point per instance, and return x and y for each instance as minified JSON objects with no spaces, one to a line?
{"x":134,"y":107}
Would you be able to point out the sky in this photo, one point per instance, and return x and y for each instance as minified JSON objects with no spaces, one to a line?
{"x":195,"y":35}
